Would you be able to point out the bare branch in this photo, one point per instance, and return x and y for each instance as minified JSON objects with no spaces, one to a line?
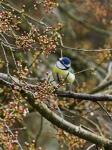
{"x":63,"y":124}
{"x":84,"y":96}
{"x":69,"y":94}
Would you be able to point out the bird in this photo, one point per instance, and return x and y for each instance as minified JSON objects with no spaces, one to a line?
{"x":62,"y":71}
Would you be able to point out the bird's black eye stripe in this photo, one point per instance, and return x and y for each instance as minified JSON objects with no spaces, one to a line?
{"x":63,"y":64}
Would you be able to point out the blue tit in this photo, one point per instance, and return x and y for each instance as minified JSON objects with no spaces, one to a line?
{"x":62,"y":71}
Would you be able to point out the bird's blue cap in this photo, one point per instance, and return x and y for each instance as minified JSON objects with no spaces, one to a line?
{"x":65,"y":61}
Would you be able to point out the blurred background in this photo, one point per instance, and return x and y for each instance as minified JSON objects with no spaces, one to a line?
{"x":34,"y":33}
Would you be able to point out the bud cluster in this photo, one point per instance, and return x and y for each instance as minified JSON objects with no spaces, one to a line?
{"x":8,"y":20}
{"x":45,"y":93}
{"x":72,"y":141}
{"x":24,"y":41}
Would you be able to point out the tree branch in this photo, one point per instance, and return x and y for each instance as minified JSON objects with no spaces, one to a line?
{"x":65,"y":125}
{"x":60,"y":122}
{"x":69,"y":94}
{"x":84,"y":96}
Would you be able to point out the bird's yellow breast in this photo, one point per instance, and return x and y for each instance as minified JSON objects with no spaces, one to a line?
{"x":63,"y":75}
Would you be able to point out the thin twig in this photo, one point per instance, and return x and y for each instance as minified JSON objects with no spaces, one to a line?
{"x":104,"y":109}
{"x":6,"y":59}
{"x":36,"y":57}
{"x":82,"y":49}
{"x":91,"y":146}
{"x":10,"y":131}
{"x":11,"y":50}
